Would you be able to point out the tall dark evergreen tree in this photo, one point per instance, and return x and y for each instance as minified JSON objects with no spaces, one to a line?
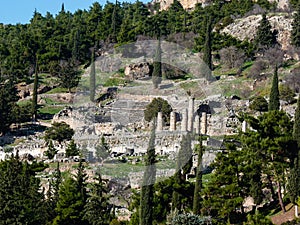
{"x":265,"y":36}
{"x":72,"y":149}
{"x":147,"y":190}
{"x":294,"y":179}
{"x":274,"y":103}
{"x":183,"y":167}
{"x":21,"y":201}
{"x":207,"y":48}
{"x":8,"y":99}
{"x":72,"y":199}
{"x":92,"y":77}
{"x":198,"y":185}
{"x":295,"y":33}
{"x":97,"y":209}
{"x":34,"y":94}
{"x":157,"y":72}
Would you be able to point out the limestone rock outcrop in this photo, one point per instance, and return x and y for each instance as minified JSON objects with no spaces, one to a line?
{"x":245,"y":28}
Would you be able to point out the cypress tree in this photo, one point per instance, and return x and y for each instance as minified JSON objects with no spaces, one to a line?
{"x":207,"y":48}
{"x":294,"y":179}
{"x":157,"y":72}
{"x":183,"y":167}
{"x":34,"y":95}
{"x":113,"y":34}
{"x":274,"y":103}
{"x":295,"y":33}
{"x":198,"y":185}
{"x":92,"y":77}
{"x":147,"y":190}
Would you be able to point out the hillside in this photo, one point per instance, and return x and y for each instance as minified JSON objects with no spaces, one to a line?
{"x":124,"y":114}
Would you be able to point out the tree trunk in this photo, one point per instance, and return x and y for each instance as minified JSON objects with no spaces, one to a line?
{"x":296,"y":211}
{"x":280,"y":197}
{"x":271,"y":187}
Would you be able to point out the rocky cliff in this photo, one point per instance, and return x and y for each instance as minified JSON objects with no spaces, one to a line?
{"x":245,"y":28}
{"x":190,"y":4}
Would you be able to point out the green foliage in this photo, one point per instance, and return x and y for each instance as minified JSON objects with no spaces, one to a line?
{"x":198,"y":185}
{"x":225,"y":193}
{"x":295,"y":33}
{"x":188,"y":219}
{"x":72,"y":199}
{"x":92,"y":78}
{"x":286,"y":94}
{"x":70,"y":204}
{"x":257,"y":219}
{"x":51,"y":151}
{"x":102,"y":151}
{"x":157,"y":72}
{"x":59,"y":132}
{"x":21,"y":201}
{"x":35,"y":95}
{"x":22,"y":113}
{"x":265,"y":37}
{"x":274,"y":103}
{"x":180,"y":200}
{"x":72,"y":149}
{"x":259,"y":103}
{"x":147,"y":190}
{"x":96,"y":210}
{"x":294,"y":177}
{"x":207,"y":49}
{"x":272,"y":146}
{"x":8,"y":99}
{"x":155,"y":106}
{"x":68,"y":75}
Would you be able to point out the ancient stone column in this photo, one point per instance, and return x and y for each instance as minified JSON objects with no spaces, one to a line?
{"x":159,"y":125}
{"x":184,"y":120}
{"x":203,"y":123}
{"x":197,"y":124}
{"x":244,"y":126}
{"x":190,"y":114}
{"x":172,"y":121}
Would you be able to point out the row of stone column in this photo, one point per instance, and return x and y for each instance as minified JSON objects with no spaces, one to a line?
{"x":189,"y":122}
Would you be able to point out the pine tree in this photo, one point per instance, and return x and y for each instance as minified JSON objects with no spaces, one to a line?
{"x":274,"y":103}
{"x":70,"y":203}
{"x":8,"y":99}
{"x":198,"y":185}
{"x":92,"y":77}
{"x":72,"y":199}
{"x":147,"y":190}
{"x":97,"y":208}
{"x":72,"y":149}
{"x":295,"y":33}
{"x":52,"y":193}
{"x":265,"y":37}
{"x":157,"y":72}
{"x":51,"y":151}
{"x":21,"y":201}
{"x":223,"y":194}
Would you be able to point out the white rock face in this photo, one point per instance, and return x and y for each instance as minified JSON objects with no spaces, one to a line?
{"x":190,"y":4}
{"x":245,"y":28}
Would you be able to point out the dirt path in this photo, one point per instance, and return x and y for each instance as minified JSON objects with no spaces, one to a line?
{"x":284,"y":217}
